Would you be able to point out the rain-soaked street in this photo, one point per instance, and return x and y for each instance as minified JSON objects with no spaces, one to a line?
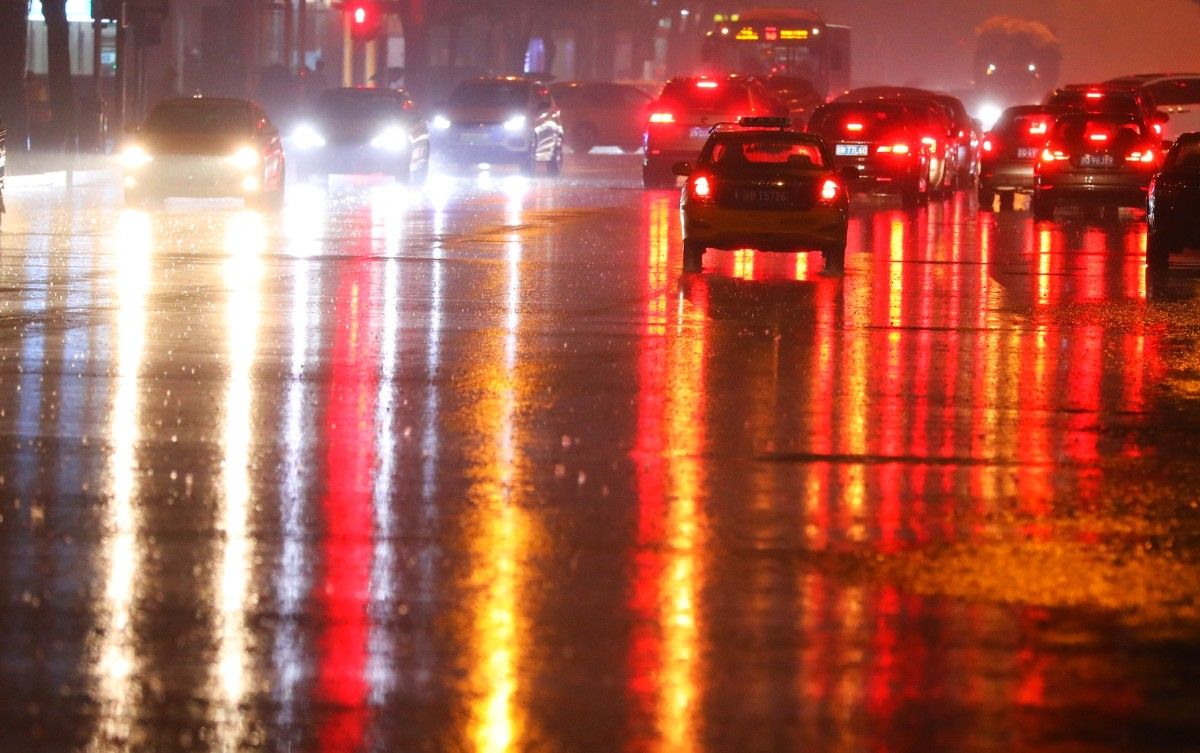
{"x":479,"y":469}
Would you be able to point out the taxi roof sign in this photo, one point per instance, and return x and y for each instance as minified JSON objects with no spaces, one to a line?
{"x":764,"y":122}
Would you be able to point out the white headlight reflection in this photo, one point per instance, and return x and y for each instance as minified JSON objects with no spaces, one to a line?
{"x":393,"y":139}
{"x":440,"y":123}
{"x":306,"y":138}
{"x":515,"y":123}
{"x":135,"y":156}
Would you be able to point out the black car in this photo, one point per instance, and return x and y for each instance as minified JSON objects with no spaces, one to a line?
{"x":500,"y":120}
{"x":1173,"y":205}
{"x":1009,"y":153}
{"x":882,"y":142}
{"x":1095,"y":159}
{"x":205,"y":147}
{"x":362,"y":131}
{"x":602,"y":114}
{"x":1109,"y":99}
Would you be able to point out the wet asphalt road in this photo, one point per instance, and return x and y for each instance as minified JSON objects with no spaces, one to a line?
{"x":480,"y":470}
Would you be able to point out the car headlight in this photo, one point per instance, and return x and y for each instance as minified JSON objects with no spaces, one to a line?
{"x":135,"y":156}
{"x":243,"y":159}
{"x":307,"y":137}
{"x":441,"y":123}
{"x":392,"y":139}
{"x":515,"y":123}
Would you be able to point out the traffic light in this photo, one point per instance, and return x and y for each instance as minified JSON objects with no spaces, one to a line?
{"x":366,"y":20}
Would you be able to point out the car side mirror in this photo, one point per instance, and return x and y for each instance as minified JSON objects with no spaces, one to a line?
{"x":682,"y":169}
{"x":849,"y":173}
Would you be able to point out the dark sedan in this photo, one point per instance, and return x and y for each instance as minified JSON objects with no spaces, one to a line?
{"x":1174,"y":203}
{"x":602,"y":114}
{"x":362,"y":131}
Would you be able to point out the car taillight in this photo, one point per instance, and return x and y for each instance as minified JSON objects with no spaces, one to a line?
{"x":1158,"y":129}
{"x":830,"y":190}
{"x":1039,"y":128}
{"x":662,"y":117}
{"x":988,"y":146}
{"x":1054,"y":155}
{"x":1143,"y":156}
{"x":893,"y":149}
{"x":701,"y":188}
{"x":930,"y":142}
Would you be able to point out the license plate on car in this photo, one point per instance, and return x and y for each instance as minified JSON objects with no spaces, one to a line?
{"x":850,"y":150}
{"x":1096,"y":160}
{"x":700,"y":132}
{"x":474,"y":138}
{"x":762,"y":196}
{"x":1027,"y":152}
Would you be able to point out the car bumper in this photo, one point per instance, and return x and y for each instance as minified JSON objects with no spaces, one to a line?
{"x":876,"y":175}
{"x":811,"y":229}
{"x":350,"y":159}
{"x":200,"y":177}
{"x":490,"y":144}
{"x":1008,"y":176}
{"x":1122,"y":189}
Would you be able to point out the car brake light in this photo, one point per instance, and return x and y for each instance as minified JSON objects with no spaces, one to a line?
{"x":1098,"y":137}
{"x":662,"y":117}
{"x":987,"y":145}
{"x":930,"y":142}
{"x":854,"y":127}
{"x":1095,"y":95}
{"x":706,"y":84}
{"x":893,"y":149}
{"x":1144,"y":156}
{"x":1038,"y":129}
{"x":702,"y":188}
{"x":1054,"y":155}
{"x":830,"y":189}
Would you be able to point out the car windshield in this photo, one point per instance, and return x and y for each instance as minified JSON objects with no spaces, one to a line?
{"x":199,"y":116}
{"x":359,"y":105}
{"x":763,"y":152}
{"x":704,"y":94}
{"x":490,"y":94}
{"x":1097,"y":133}
{"x":1185,"y":156}
{"x":856,"y":122}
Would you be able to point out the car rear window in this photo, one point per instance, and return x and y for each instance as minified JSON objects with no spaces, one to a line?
{"x":764,"y":152}
{"x":705,"y":94}
{"x":1026,"y":126}
{"x":1097,"y":133}
{"x":1185,"y":156}
{"x":490,"y":94}
{"x":199,"y":116}
{"x":856,"y":122}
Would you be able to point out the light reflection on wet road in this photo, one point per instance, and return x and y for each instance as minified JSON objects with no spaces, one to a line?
{"x":480,"y":469}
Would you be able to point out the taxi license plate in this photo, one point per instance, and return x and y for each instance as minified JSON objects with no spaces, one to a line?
{"x":850,"y":150}
{"x":1096,"y":160}
{"x":1027,"y":152}
{"x":474,"y":138}
{"x":763,"y":197}
{"x":700,"y":132}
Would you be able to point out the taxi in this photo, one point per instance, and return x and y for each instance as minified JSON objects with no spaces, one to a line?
{"x":758,"y":184}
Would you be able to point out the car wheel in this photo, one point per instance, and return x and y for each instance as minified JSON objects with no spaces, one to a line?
{"x":1159,"y":248}
{"x":987,"y":197}
{"x":693,"y":256}
{"x":583,"y":138}
{"x":1007,"y":200}
{"x":1042,"y":208}
{"x":835,"y":258}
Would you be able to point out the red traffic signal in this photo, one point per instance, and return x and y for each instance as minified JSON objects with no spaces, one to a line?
{"x":365,"y":19}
